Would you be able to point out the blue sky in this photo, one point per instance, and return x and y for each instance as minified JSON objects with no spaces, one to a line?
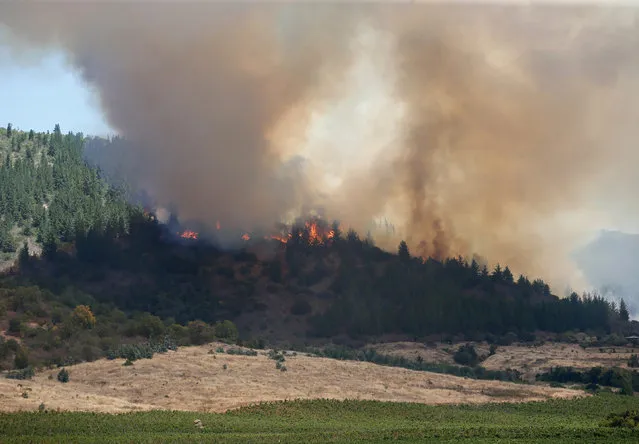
{"x":40,"y":93}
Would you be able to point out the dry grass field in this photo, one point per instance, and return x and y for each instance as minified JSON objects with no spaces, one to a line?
{"x":528,"y":359}
{"x":198,"y":379}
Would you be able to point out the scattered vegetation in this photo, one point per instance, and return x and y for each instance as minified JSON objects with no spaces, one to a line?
{"x":625,"y":380}
{"x":241,"y":351}
{"x":370,"y":355}
{"x":25,"y":373}
{"x":133,"y":352}
{"x":628,"y":419}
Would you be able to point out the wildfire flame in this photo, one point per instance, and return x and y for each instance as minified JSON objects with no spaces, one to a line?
{"x":188,"y":234}
{"x":246,"y":237}
{"x":277,"y":237}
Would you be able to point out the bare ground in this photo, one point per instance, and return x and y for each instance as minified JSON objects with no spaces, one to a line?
{"x":194,"y":379}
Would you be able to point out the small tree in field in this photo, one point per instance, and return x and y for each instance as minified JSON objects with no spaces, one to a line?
{"x":63,"y":376}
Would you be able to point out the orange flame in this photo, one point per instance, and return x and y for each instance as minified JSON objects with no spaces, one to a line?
{"x":277,"y":237}
{"x":188,"y":234}
{"x":246,"y":237}
{"x":217,"y":225}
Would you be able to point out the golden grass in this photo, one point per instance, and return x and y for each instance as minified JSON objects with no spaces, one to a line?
{"x":193,"y":379}
{"x":528,"y":359}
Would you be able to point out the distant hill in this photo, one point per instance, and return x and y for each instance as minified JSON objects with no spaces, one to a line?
{"x":611,"y":264}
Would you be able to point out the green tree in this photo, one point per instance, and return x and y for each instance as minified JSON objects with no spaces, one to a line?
{"x":23,"y":257}
{"x":9,"y":129}
{"x":21,"y":359}
{"x":623,"y":311}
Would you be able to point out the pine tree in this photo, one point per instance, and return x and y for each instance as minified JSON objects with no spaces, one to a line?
{"x":623,"y":311}
{"x":507,"y":275}
{"x":9,"y":129}
{"x":498,"y":274}
{"x":402,"y":251}
{"x":23,"y":257}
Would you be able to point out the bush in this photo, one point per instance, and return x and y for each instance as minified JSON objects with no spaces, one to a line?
{"x":200,"y":332}
{"x":466,"y":355}
{"x":276,"y":356}
{"x":15,"y":326}
{"x":301,"y":307}
{"x":226,"y":330}
{"x":633,"y":362}
{"x":149,"y":326}
{"x":25,"y":373}
{"x":63,"y":375}
{"x":21,"y":359}
{"x":627,"y":419}
{"x":507,"y":339}
{"x":83,"y":317}
{"x":133,"y":352}
{"x":241,"y":352}
{"x":492,"y":350}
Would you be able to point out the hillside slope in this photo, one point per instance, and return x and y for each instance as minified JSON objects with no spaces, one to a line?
{"x":198,"y":379}
{"x":111,"y":273}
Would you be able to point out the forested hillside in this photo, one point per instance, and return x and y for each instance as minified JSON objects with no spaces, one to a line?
{"x":109,"y":273}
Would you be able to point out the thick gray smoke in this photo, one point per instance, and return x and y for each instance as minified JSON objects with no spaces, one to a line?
{"x":498,"y":121}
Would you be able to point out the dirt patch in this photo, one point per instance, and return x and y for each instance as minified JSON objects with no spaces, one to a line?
{"x":195,"y":380}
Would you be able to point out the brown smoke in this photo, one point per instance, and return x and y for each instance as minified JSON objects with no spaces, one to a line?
{"x":512,"y":114}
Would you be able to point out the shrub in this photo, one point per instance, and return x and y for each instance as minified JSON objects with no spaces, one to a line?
{"x":301,"y":307}
{"x":83,"y":317}
{"x":466,"y":355}
{"x":200,"y":332}
{"x":226,"y":330}
{"x":25,"y":373}
{"x":276,"y":356}
{"x":633,"y":362}
{"x":63,"y":375}
{"x":15,"y":326}
{"x":134,"y":352}
{"x":492,"y":350}
{"x":149,"y":326}
{"x":527,"y":337}
{"x":241,"y":352}
{"x":21,"y":359}
{"x":627,"y":419}
{"x":507,"y":339}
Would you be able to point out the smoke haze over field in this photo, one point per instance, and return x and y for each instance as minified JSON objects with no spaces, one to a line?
{"x":503,"y":131}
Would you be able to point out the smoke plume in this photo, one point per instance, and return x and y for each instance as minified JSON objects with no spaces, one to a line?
{"x":476,"y":129}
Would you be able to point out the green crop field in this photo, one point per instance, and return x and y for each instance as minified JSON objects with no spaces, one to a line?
{"x":338,"y":421}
